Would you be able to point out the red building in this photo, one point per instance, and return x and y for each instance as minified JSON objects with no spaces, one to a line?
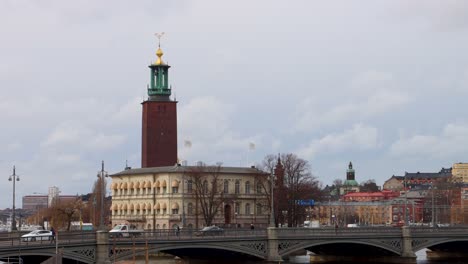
{"x":370,"y":196}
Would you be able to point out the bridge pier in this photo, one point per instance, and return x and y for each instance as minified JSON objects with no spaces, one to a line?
{"x":102,"y":247}
{"x":273,"y":255}
{"x":406,"y":246}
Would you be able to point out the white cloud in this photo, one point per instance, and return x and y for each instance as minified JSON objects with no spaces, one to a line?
{"x":449,"y":145}
{"x":359,"y":137}
{"x":72,"y":135}
{"x":371,"y":94}
{"x":207,"y":123}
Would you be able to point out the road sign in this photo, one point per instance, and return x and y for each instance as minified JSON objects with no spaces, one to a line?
{"x":305,"y":202}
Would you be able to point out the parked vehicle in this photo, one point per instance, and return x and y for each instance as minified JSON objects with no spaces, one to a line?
{"x":210,"y":231}
{"x":37,"y":235}
{"x":312,"y":224}
{"x":125,"y":231}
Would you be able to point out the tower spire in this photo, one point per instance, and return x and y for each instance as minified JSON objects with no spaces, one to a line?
{"x":159,"y":88}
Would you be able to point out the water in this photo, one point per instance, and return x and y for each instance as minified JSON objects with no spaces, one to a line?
{"x":421,"y":259}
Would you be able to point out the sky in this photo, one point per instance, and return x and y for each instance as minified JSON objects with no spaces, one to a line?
{"x":383,"y":84}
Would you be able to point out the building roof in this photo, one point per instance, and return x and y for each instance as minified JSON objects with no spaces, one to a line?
{"x":180,"y":169}
{"x":443,"y":173}
{"x":350,"y":183}
{"x":365,"y":194}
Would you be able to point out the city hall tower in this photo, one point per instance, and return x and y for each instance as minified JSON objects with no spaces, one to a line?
{"x":159,"y":124}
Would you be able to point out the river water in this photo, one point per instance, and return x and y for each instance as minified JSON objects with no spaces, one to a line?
{"x":421,"y":259}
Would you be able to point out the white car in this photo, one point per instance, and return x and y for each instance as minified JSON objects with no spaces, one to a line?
{"x":37,"y":235}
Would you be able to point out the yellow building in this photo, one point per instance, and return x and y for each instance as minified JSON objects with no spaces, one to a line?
{"x":460,"y":170}
{"x":362,"y":213}
{"x":166,"y":197}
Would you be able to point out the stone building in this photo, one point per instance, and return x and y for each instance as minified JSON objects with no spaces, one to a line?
{"x":165,"y":197}
{"x":460,"y":171}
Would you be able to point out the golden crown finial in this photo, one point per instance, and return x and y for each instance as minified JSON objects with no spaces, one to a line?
{"x":159,"y":52}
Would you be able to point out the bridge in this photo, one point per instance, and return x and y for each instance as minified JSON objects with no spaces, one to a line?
{"x":272,"y":244}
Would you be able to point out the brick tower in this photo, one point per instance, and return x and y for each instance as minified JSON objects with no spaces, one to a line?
{"x":159,"y":124}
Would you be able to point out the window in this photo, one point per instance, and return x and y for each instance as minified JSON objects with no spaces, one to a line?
{"x":259,"y":209}
{"x":175,"y":189}
{"x":189,"y":186}
{"x":247,"y":209}
{"x":247,"y":187}
{"x":226,"y":186}
{"x":190,"y":209}
{"x":175,"y":211}
{"x":259,"y":188}
{"x":205,"y":186}
{"x":237,"y":190}
{"x":237,"y":208}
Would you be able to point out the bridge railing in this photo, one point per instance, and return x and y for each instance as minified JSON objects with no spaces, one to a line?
{"x":331,"y":231}
{"x":171,"y":234}
{"x":442,"y":230}
{"x":14,"y":239}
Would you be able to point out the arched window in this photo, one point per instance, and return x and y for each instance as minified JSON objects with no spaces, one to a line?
{"x":247,"y":187}
{"x":259,"y":209}
{"x":247,"y":209}
{"x":205,"y":186}
{"x":190,"y":209}
{"x":237,"y":189}
{"x":237,"y":208}
{"x":226,"y":186}
{"x":190,"y":186}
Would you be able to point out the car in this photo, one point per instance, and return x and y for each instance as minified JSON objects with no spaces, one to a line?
{"x":210,"y":231}
{"x":37,"y":235}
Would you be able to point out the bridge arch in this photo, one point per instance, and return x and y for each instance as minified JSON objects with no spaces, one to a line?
{"x":427,"y":243}
{"x":65,"y":254}
{"x":262,"y":254}
{"x":308,"y":244}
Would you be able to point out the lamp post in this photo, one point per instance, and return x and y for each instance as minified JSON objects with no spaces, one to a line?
{"x":13,"y":178}
{"x":101,"y":175}
{"x":433,"y":212}
{"x":406,"y":202}
{"x":272,"y":214}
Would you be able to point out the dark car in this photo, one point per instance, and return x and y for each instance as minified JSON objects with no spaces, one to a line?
{"x":210,"y":231}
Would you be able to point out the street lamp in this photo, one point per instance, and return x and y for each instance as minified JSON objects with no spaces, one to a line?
{"x":101,"y":175}
{"x":272,"y":217}
{"x":13,"y":178}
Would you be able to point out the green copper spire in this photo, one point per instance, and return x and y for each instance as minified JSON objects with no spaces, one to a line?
{"x":159,"y":86}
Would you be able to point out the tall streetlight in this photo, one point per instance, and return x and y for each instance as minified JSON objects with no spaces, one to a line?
{"x":272,"y":214}
{"x":102,"y":175}
{"x":13,"y":178}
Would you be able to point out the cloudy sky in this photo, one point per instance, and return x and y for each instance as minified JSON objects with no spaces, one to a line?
{"x":383,"y":84}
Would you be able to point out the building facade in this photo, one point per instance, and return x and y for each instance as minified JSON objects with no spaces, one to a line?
{"x":460,"y":170}
{"x":165,"y":197}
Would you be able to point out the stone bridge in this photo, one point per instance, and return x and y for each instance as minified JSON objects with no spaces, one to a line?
{"x":272,"y":244}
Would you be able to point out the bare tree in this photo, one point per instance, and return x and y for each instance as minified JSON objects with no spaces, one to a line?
{"x":208,"y":191}
{"x":62,"y":213}
{"x":95,"y":209}
{"x":293,"y":181}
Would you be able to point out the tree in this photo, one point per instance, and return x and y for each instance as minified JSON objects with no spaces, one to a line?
{"x":94,"y":208}
{"x":369,"y":186}
{"x":208,"y":191}
{"x":62,"y":213}
{"x":293,"y":181}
